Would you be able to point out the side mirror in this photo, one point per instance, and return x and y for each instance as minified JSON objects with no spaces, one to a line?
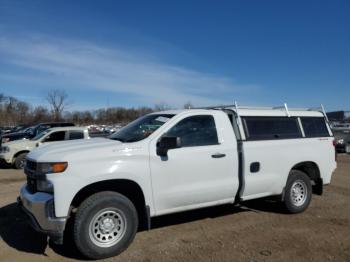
{"x":167,"y":142}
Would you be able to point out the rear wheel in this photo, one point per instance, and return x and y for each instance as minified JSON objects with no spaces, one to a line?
{"x":298,"y":192}
{"x":105,"y":225}
{"x":20,"y":161}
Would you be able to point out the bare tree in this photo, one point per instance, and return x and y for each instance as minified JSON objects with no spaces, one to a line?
{"x":14,"y":112}
{"x":58,"y":101}
{"x":40,"y":114}
{"x":23,"y":112}
{"x":2,"y":97}
{"x":161,"y":106}
{"x":188,"y":105}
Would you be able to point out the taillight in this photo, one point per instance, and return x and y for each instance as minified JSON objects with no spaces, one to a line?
{"x":335,"y":151}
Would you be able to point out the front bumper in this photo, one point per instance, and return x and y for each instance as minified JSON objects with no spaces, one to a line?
{"x":40,"y":209}
{"x":6,"y":157}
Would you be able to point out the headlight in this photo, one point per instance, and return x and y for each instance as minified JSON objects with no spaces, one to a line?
{"x":44,"y":186}
{"x":5,"y":139}
{"x":46,"y":168}
{"x":5,"y":149}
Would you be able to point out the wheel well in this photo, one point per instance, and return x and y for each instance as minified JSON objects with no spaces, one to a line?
{"x":313,"y":172}
{"x":128,"y":188}
{"x":20,"y":152}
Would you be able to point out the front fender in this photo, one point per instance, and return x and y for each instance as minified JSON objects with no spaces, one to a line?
{"x":67,"y":186}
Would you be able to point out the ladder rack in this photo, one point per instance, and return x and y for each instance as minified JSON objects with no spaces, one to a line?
{"x":284,"y":107}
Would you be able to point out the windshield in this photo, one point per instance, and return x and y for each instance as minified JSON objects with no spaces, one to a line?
{"x":40,"y":135}
{"x":141,"y":128}
{"x":41,"y":128}
{"x":17,"y":129}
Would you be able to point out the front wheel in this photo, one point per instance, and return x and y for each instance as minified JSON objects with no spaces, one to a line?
{"x":298,"y":192}
{"x":105,"y":225}
{"x":20,"y":161}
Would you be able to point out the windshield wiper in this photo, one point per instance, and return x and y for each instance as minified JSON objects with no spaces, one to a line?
{"x":118,"y":139}
{"x":132,"y":140}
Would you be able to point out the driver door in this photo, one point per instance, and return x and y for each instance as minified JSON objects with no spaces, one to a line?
{"x":199,"y":173}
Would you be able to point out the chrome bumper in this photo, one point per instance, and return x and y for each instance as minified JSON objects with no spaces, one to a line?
{"x":40,"y":209}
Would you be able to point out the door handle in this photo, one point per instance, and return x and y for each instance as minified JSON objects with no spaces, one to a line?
{"x":218,"y":155}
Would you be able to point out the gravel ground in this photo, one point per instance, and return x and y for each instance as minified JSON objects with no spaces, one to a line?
{"x":257,"y":230}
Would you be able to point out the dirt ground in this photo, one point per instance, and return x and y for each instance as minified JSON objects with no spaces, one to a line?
{"x":255,"y":231}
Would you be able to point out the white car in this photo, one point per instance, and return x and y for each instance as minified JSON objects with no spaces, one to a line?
{"x":15,"y":152}
{"x":173,"y":161}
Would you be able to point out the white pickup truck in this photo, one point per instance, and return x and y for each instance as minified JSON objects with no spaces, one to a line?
{"x":174,"y":161}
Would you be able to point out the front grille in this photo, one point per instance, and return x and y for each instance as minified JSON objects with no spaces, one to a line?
{"x":31,"y":185}
{"x":32,"y":175}
{"x":31,"y":165}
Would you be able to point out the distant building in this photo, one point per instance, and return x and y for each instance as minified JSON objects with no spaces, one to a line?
{"x":339,"y":116}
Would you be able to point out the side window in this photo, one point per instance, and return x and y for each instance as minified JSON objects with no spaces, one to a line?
{"x":314,"y":126}
{"x":76,"y":135}
{"x":195,"y":131}
{"x":55,"y":136}
{"x":268,"y":128}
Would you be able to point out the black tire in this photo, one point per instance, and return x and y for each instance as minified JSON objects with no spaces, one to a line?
{"x":298,"y":192}
{"x":85,"y":238}
{"x":19,"y":161}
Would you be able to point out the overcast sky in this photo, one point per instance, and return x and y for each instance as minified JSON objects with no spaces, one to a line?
{"x":135,"y":53}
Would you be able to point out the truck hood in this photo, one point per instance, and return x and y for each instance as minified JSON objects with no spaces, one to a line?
{"x":82,"y":149}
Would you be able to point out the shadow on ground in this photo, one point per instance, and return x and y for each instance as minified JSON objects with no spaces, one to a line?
{"x":259,"y":205}
{"x":17,"y":233}
{"x":195,"y":215}
{"x":4,"y":165}
{"x":69,"y":250}
{"x":269,"y":205}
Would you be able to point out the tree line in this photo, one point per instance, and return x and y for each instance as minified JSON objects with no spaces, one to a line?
{"x":13,"y":112}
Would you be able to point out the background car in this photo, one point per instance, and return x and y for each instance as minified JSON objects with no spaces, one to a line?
{"x":32,"y":131}
{"x":342,"y":140}
{"x":14,"y":152}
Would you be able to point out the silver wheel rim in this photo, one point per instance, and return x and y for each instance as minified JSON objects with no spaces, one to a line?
{"x":22,"y":163}
{"x":107,"y":227}
{"x":298,"y":193}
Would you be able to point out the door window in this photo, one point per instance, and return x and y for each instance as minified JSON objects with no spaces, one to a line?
{"x":76,"y":135}
{"x":55,"y":136}
{"x":195,"y":131}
